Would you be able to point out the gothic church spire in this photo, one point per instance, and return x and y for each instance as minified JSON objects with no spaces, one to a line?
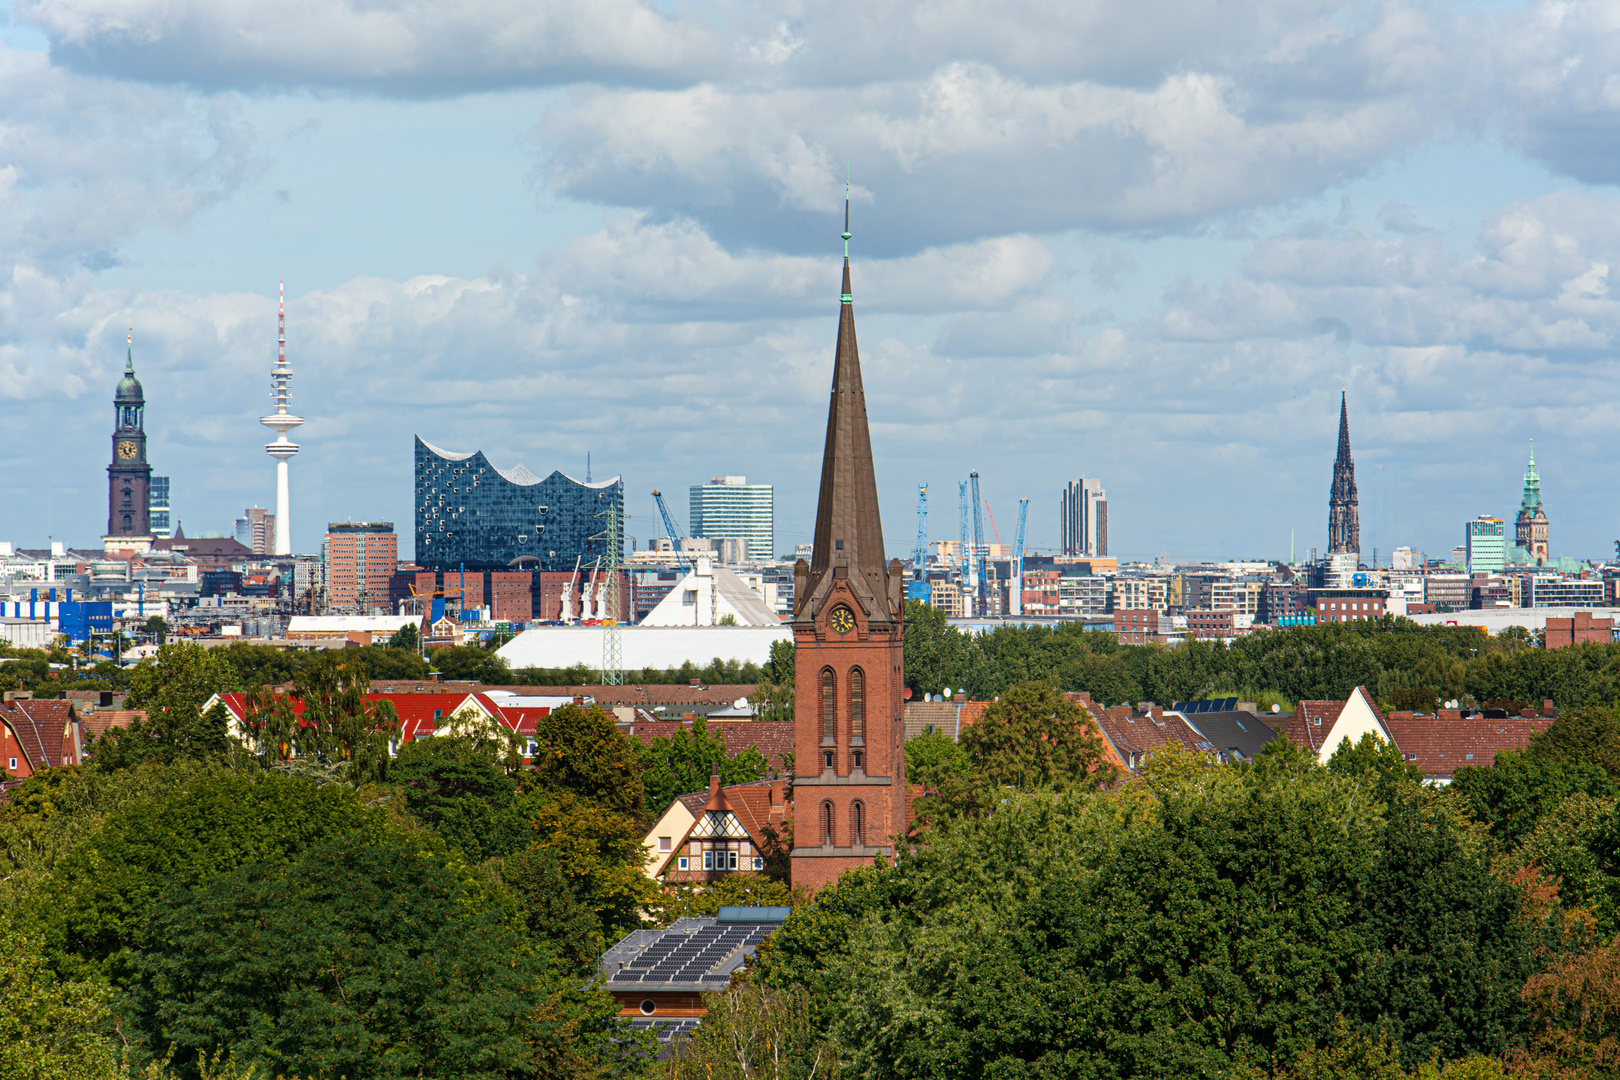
{"x":1344,"y":524}
{"x":849,"y":531}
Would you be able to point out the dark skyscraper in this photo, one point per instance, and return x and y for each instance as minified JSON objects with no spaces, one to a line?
{"x":1344,"y":524}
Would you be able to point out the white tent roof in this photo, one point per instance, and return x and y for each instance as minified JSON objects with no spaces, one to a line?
{"x":690,"y":603}
{"x":643,"y":646}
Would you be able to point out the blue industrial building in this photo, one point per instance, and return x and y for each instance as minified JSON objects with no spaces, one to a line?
{"x":473,"y":515}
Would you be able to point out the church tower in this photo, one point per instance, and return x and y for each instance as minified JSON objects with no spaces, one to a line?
{"x":849,"y":782}
{"x":1530,"y":530}
{"x":129,"y":477}
{"x":1344,"y":524}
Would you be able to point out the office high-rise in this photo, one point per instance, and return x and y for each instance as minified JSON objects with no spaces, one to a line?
{"x":1487,"y":550}
{"x":158,"y":508}
{"x":1084,"y":518}
{"x":257,"y":530}
{"x":730,"y":508}
{"x":361,"y":557}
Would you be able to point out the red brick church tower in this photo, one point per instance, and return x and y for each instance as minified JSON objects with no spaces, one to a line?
{"x":849,"y":770}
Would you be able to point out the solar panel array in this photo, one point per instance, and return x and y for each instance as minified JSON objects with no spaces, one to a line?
{"x":677,"y":957}
{"x":1213,"y":705}
{"x":668,"y":1030}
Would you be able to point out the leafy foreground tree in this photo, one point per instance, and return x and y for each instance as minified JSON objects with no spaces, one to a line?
{"x":361,"y":960}
{"x":1034,"y":738}
{"x":50,"y":1029}
{"x":1219,"y":920}
{"x":755,"y":1032}
{"x":173,"y":690}
{"x":93,"y":903}
{"x":453,"y":786}
{"x":684,"y":761}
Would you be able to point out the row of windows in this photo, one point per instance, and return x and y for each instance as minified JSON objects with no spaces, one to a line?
{"x":829,"y":703}
{"x":828,"y":818}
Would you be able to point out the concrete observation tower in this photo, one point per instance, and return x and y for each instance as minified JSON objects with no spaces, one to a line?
{"x":281,"y":422}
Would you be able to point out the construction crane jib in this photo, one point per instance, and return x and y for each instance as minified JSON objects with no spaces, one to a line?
{"x":980,"y":584}
{"x":1017,"y":592}
{"x":919,"y":556}
{"x":669,"y":527}
{"x":966,"y":578}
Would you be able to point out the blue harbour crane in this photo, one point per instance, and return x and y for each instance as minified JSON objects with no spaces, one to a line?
{"x":1017,"y":596}
{"x":978,"y":549}
{"x":919,"y":557}
{"x":966,"y":580}
{"x":669,"y":527}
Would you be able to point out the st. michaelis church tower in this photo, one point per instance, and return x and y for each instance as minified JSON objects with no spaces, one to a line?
{"x":129,"y":477}
{"x":849,"y":769}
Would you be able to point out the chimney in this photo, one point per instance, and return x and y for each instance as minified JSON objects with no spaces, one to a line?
{"x":714,"y":785}
{"x":1547,"y":707}
{"x":694,"y":682}
{"x":776,"y":794}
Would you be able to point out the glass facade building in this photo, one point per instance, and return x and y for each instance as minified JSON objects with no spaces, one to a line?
{"x":162,"y":527}
{"x":469,"y":513}
{"x":730,"y":508}
{"x":1487,"y":550}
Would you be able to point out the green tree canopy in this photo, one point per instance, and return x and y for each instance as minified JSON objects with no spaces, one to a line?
{"x":357,"y":959}
{"x":1034,"y":738}
{"x":92,"y":906}
{"x":580,"y":750}
{"x":683,"y":762}
{"x":1210,"y":925}
{"x":453,"y":786}
{"x":173,"y":690}
{"x":469,"y":663}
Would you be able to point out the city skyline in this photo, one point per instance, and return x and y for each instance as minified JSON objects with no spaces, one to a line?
{"x":1190,"y":246}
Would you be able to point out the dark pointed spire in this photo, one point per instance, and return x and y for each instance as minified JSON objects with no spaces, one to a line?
{"x":129,"y":356}
{"x":849,"y":532}
{"x":1344,"y":428}
{"x":1344,"y":522}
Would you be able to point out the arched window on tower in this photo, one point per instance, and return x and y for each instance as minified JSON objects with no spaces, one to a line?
{"x":829,"y":695}
{"x":127,"y":497}
{"x":857,"y":824}
{"x":857,"y":703}
{"x":829,"y":825}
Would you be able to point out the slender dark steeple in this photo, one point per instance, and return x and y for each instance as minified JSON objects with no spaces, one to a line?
{"x":849,"y":532}
{"x":1344,"y":524}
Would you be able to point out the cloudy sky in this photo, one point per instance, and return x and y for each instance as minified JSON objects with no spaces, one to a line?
{"x":1146,"y":242}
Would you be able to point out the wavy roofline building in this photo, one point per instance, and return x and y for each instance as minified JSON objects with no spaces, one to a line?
{"x":470,"y":513}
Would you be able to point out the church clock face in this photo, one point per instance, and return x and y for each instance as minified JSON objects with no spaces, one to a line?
{"x":842,"y":620}
{"x":127,"y":451}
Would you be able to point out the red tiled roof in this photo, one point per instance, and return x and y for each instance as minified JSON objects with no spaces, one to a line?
{"x":96,"y":724}
{"x":40,"y":727}
{"x":416,"y":711}
{"x":1442,"y":746}
{"x":1302,"y":729}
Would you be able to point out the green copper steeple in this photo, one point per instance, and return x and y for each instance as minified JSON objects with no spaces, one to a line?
{"x":1532,"y":483}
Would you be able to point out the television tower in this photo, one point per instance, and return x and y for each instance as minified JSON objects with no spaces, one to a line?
{"x":281,"y":422}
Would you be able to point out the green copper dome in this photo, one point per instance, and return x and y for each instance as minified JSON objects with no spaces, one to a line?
{"x":129,"y":387}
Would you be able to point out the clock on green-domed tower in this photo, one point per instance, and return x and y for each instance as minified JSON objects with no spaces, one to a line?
{"x":129,"y":477}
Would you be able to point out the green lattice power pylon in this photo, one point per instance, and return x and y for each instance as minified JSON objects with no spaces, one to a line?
{"x":612,"y":647}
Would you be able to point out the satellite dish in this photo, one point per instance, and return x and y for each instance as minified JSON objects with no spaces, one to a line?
{"x":740,"y":703}
{"x":947,"y":693}
{"x":1276,"y":708}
